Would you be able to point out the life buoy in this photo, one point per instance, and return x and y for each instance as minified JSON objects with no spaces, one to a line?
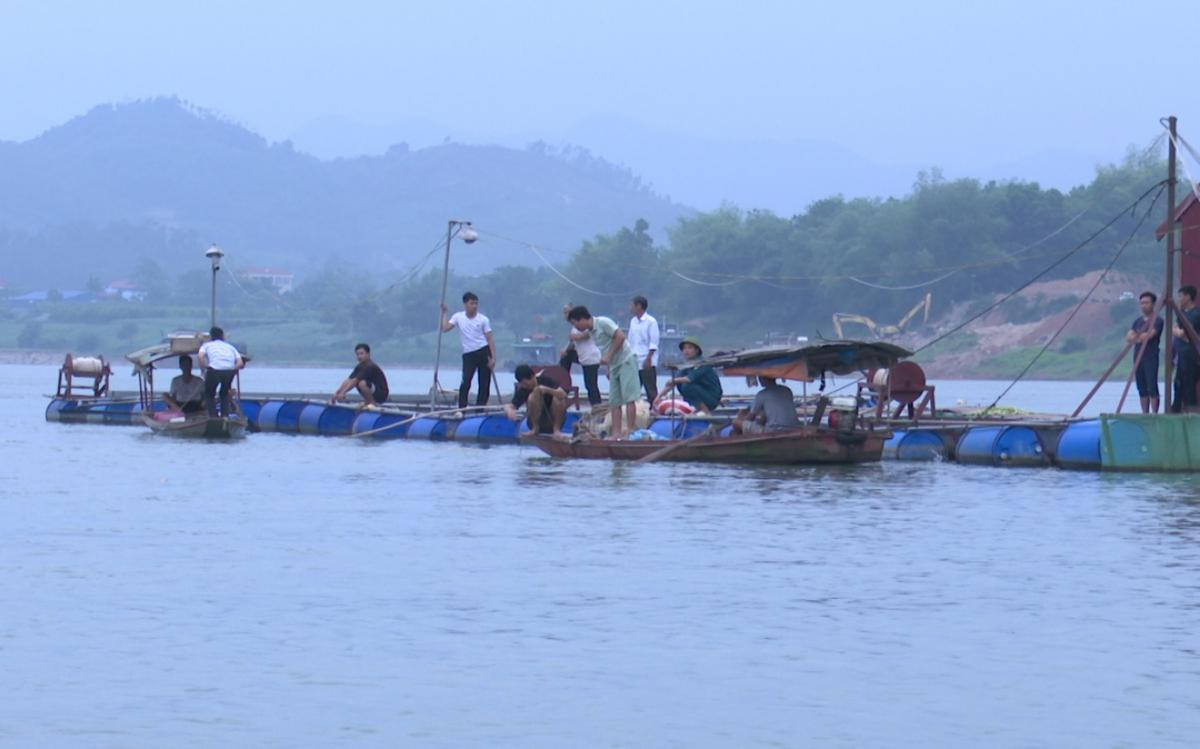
{"x":674,"y":405}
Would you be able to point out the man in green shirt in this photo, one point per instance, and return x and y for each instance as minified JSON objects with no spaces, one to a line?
{"x":699,"y":385}
{"x":624,"y":387}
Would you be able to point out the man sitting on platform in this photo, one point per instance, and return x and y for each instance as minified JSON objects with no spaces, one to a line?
{"x":774,"y":408}
{"x":367,"y":378}
{"x":186,"y":394}
{"x":545,"y":402}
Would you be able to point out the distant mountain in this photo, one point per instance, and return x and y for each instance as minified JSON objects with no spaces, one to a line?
{"x":152,"y":178}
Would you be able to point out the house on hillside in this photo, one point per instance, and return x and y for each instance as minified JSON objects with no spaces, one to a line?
{"x":281,"y":280}
{"x":125,"y":289}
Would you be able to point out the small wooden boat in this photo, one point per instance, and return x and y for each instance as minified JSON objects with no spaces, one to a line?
{"x":848,"y":438}
{"x":807,"y":445}
{"x":175,"y":423}
{"x":197,"y":426}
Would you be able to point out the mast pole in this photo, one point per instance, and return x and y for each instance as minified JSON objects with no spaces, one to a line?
{"x":435,"y":391}
{"x":1168,"y":325}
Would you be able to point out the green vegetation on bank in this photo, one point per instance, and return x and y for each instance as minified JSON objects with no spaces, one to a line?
{"x":730,"y":276}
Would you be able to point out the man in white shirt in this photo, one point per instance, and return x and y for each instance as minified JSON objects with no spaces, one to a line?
{"x":584,"y":351}
{"x":220,"y":361}
{"x":643,"y":339}
{"x":479,"y":349}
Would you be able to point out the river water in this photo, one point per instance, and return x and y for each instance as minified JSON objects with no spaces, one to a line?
{"x":291,"y":591}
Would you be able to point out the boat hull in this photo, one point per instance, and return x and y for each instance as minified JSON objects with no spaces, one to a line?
{"x":201,"y":427}
{"x":806,"y":446}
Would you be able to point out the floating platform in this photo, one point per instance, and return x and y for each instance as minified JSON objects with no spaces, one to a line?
{"x":1112,"y":442}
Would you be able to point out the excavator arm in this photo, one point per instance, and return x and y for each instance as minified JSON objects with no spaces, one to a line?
{"x":844,"y":317}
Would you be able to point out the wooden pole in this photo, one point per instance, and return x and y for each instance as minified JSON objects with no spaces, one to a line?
{"x":1168,"y":326}
{"x":1103,"y":378}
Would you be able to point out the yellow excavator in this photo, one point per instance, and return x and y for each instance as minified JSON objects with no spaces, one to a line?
{"x":882,"y":331}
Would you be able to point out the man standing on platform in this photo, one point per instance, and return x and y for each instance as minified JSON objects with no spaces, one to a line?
{"x":1187,"y":361}
{"x":1146,"y":332}
{"x":479,"y":349}
{"x":643,"y":339}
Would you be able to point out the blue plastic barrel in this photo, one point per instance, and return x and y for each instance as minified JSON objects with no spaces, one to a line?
{"x":267,"y":414}
{"x":251,"y":408}
{"x":120,"y":413}
{"x":428,"y":428}
{"x":367,"y":421}
{"x":309,"y":421}
{"x":975,"y":445}
{"x":664,"y":428}
{"x":497,"y":429}
{"x":337,"y":421}
{"x":914,"y":444}
{"x":1079,"y":446}
{"x":287,"y":419}
{"x":1001,"y":446}
{"x":468,"y":429}
{"x":54,"y":409}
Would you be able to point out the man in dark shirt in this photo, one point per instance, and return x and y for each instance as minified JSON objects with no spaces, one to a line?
{"x":367,"y":378}
{"x":1187,"y":362}
{"x":1146,"y":332}
{"x":544,"y":414}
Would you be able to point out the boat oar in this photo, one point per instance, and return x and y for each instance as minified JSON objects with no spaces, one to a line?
{"x":664,"y":452}
{"x":476,"y":410}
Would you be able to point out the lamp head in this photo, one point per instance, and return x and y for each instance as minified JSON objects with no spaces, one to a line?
{"x":468,"y":235}
{"x":214,"y":254}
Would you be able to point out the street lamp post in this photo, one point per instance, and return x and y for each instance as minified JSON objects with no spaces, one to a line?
{"x":214,"y":254}
{"x":464,"y":231}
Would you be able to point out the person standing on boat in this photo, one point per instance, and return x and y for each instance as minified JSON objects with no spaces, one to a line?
{"x":367,"y":378}
{"x":1188,"y":363}
{"x":186,"y":393}
{"x":774,"y":408}
{"x":584,"y":351}
{"x":699,"y":385}
{"x":220,"y":361}
{"x":1146,"y":332}
{"x":623,"y":387}
{"x":479,"y":349}
{"x":544,"y":401}
{"x":643,"y":339}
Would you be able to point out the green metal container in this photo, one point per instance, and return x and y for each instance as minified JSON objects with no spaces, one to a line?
{"x":1150,"y":442}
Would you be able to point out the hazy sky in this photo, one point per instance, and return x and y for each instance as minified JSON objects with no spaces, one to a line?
{"x":926,"y":83}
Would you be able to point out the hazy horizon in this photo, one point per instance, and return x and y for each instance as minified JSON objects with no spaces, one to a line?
{"x":766,"y":107}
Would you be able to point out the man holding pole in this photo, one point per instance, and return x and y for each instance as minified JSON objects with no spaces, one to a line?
{"x":1145,"y":333}
{"x":479,"y":348}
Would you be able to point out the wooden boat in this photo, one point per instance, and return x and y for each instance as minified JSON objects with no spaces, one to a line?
{"x":175,"y":423}
{"x":807,"y":445}
{"x":850,"y":439}
{"x":199,"y":426}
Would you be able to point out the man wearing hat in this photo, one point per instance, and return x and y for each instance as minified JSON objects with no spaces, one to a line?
{"x":699,"y":385}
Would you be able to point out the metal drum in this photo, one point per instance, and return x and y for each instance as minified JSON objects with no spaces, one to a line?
{"x":1079,"y":446}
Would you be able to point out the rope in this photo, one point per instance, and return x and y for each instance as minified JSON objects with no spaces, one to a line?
{"x":1132,"y":207}
{"x":704,"y":283}
{"x":1083,"y":301}
{"x":942,"y":277}
{"x":557,"y":272}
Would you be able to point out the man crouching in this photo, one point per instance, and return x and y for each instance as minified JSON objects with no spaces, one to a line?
{"x":545,"y":414}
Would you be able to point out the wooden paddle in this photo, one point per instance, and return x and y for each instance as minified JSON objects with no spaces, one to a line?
{"x":664,"y":452}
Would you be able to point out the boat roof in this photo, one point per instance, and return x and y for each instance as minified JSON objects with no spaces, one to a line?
{"x":176,"y":344}
{"x":808,"y":362}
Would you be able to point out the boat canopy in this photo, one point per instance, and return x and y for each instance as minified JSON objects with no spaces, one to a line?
{"x":175,"y":344}
{"x":806,"y":363}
